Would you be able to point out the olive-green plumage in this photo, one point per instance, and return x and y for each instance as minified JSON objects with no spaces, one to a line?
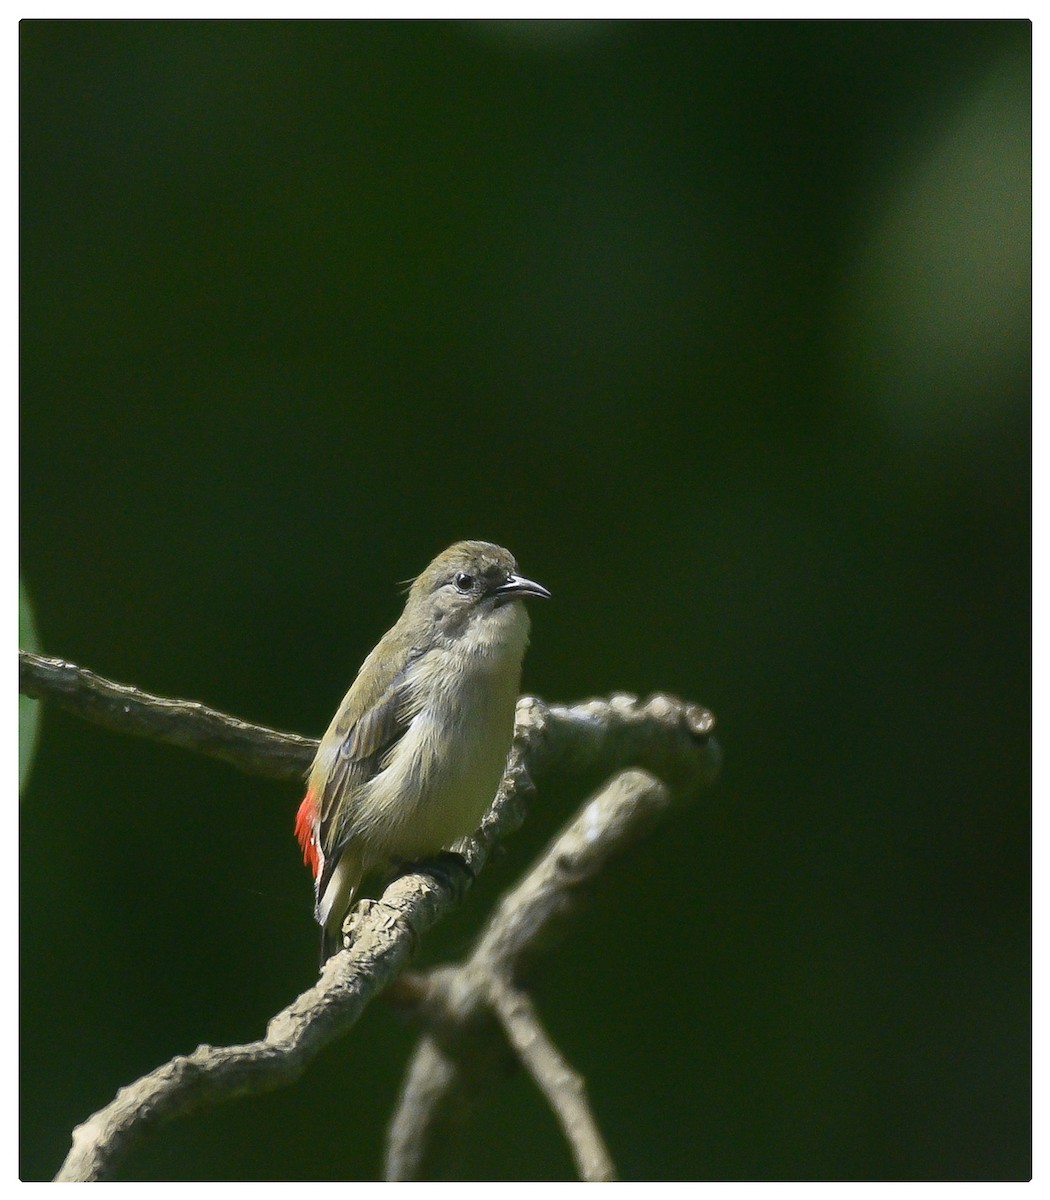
{"x":413,"y":757}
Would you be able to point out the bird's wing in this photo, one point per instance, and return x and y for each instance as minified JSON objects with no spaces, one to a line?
{"x":353,"y":751}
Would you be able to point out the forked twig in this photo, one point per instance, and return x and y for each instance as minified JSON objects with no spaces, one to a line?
{"x":663,"y":736}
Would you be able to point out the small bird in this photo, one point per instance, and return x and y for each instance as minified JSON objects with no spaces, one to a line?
{"x":413,"y":757}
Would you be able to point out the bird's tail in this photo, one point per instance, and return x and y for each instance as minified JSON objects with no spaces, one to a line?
{"x":334,"y":902}
{"x":331,"y":941}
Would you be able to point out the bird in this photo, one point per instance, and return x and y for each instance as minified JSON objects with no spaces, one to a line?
{"x":416,"y":750}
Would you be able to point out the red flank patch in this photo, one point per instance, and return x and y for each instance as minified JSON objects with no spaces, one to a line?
{"x":305,"y":831}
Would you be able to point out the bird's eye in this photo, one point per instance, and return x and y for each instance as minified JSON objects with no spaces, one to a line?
{"x":464,"y":582}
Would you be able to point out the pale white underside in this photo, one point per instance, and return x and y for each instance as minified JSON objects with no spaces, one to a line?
{"x":442,"y":775}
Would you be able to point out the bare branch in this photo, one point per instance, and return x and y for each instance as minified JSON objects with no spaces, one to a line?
{"x":436,"y":1101}
{"x":564,"y":1088}
{"x":533,"y":916}
{"x":663,"y":735}
{"x":457,"y":1060}
{"x":185,"y":723}
{"x":385,"y":935}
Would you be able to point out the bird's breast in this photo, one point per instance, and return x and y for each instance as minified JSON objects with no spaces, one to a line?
{"x":443,"y":773}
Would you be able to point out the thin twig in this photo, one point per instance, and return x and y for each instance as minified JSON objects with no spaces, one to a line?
{"x":564,"y":1088}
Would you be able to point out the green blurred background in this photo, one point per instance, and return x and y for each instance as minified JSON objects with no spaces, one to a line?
{"x":724,"y":328}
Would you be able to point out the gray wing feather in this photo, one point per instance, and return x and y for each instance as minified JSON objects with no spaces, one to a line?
{"x":360,"y":755}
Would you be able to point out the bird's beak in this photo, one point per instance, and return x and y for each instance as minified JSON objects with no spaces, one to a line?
{"x":516,"y":587}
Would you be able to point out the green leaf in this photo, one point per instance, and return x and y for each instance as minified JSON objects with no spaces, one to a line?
{"x":28,"y":710}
